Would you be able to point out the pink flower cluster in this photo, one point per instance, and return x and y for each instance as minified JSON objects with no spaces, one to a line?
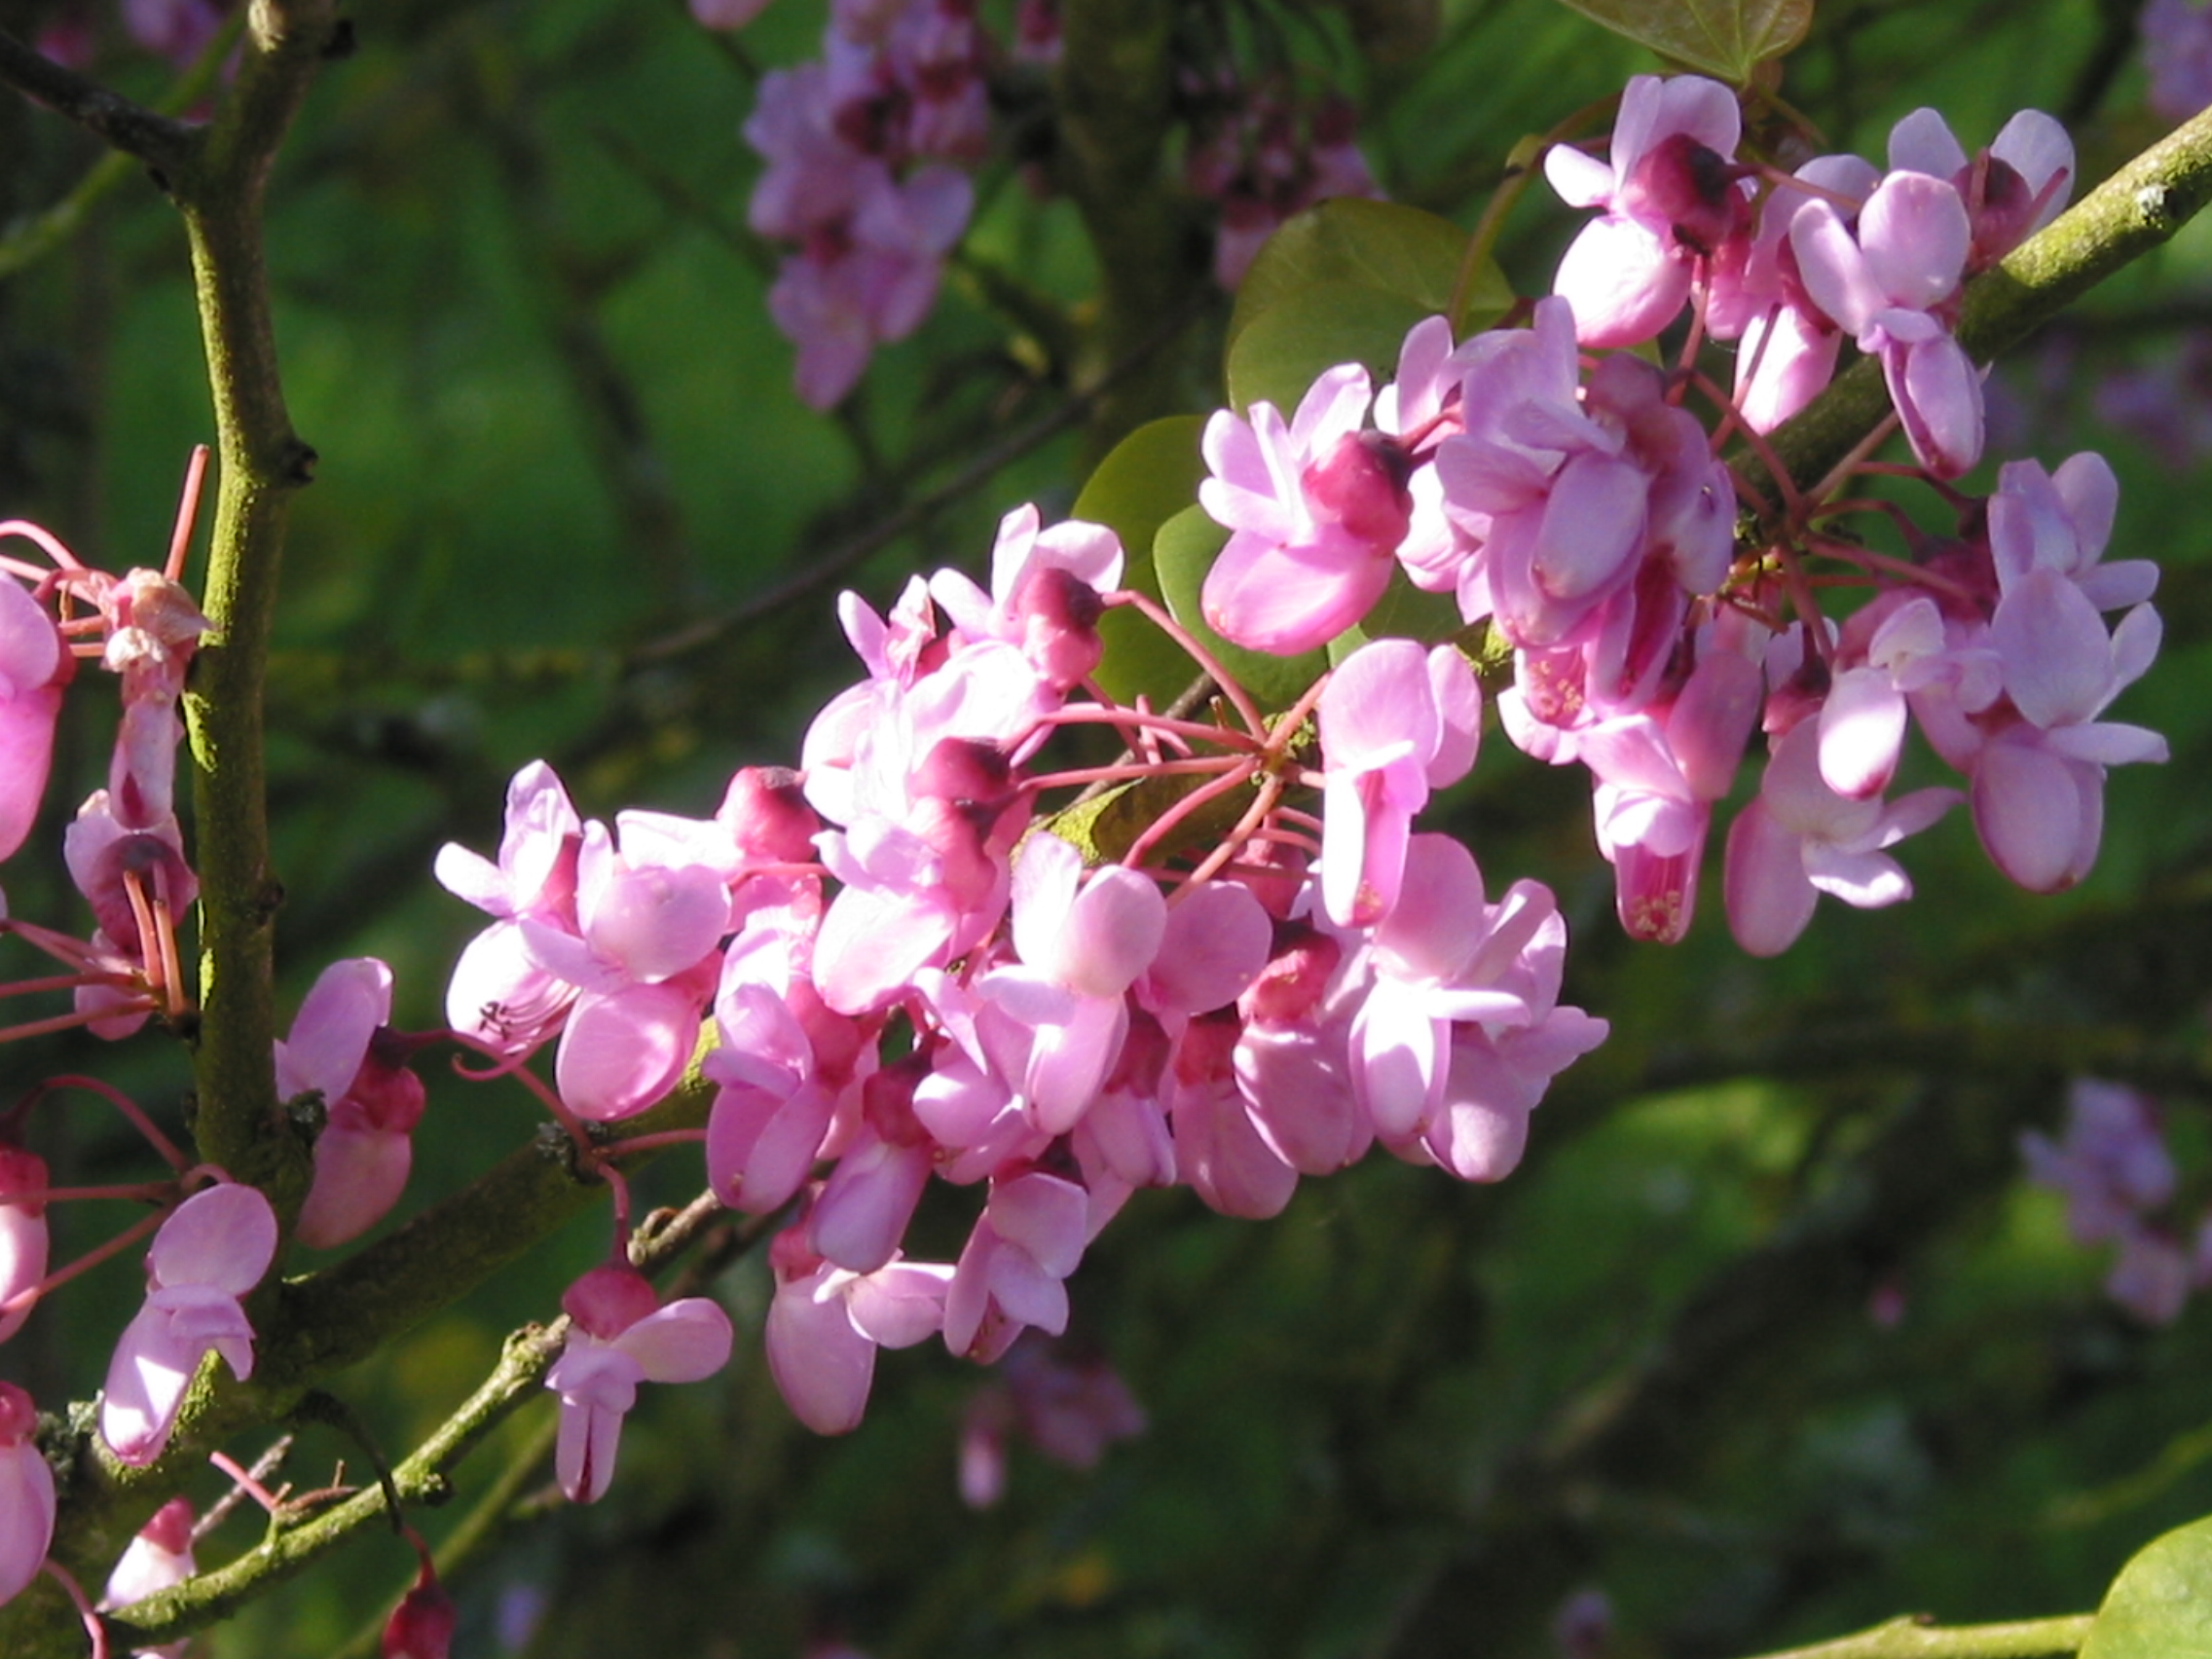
{"x":126,"y":850}
{"x":1578,"y":508}
{"x":2119,"y":1181}
{"x":912,"y":975}
{"x":865,"y":150}
{"x":1261,"y":152}
{"x":1840,"y":248}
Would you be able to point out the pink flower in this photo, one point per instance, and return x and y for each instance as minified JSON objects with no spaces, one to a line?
{"x":213,"y":1248}
{"x":372,"y":1102}
{"x":1081,"y":943}
{"x":498,"y":993}
{"x":1395,"y":723}
{"x":1316,"y":508}
{"x":1800,"y":838}
{"x":35,"y":664}
{"x":26,"y":1494}
{"x":2110,"y":1164}
{"x":1891,"y":285}
{"x":620,"y":1336}
{"x":2012,"y":189}
{"x":1028,"y":1239}
{"x":827,"y":1323}
{"x":1044,"y":594}
{"x":1673,"y":196}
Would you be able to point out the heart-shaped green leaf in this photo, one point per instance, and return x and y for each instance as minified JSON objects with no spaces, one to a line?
{"x":1723,"y":38}
{"x":1381,"y":245}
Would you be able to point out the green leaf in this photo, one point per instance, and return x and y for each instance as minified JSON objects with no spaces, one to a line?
{"x":2160,"y":1605}
{"x":1723,"y":38}
{"x":1146,"y":479}
{"x":1185,"y":551}
{"x":1406,"y":612}
{"x":1383,"y":246}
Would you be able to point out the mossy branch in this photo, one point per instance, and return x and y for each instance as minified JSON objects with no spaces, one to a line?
{"x":220,"y":190}
{"x":422,"y":1478}
{"x":1910,"y":1638}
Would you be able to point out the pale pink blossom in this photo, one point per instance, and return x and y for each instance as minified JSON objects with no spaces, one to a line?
{"x":211,"y":1251}
{"x":619,"y":1336}
{"x":1891,"y":282}
{"x":341,"y":1047}
{"x":1673,"y":199}
{"x":26,"y":1494}
{"x":1316,"y":508}
{"x":35,"y":665}
{"x":1395,"y":723}
{"x":827,"y":1323}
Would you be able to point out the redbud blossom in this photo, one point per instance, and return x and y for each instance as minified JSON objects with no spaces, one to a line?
{"x":26,"y":1494}
{"x":827,"y":1323}
{"x":35,"y":664}
{"x":372,"y":1101}
{"x":213,"y":1248}
{"x":1313,"y":524}
{"x":620,"y":1337}
{"x":1673,"y":195}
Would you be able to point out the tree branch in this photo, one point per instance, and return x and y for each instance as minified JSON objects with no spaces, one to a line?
{"x":163,"y":144}
{"x":421,"y":1478}
{"x":1910,"y":1638}
{"x":262,"y":462}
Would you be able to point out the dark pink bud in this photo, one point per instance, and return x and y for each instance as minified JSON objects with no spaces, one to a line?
{"x":1362,"y":484}
{"x":388,"y":1095}
{"x":1693,"y":188}
{"x":1796,"y":698}
{"x":1290,"y":987}
{"x":609,"y":1300}
{"x":767,"y":816}
{"x":791,"y":1256}
{"x":970,"y":875}
{"x":170,"y":1529}
{"x":966,"y":772}
{"x":422,"y":1626}
{"x":1058,"y":613}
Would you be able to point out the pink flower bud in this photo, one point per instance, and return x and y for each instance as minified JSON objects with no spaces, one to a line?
{"x":1362,"y":483}
{"x":422,"y":1626}
{"x":767,"y":816}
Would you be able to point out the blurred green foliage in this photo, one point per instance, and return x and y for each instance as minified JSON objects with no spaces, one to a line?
{"x":1767,"y":1340}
